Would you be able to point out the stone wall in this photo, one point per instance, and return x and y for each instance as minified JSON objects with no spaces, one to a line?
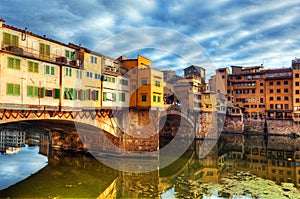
{"x":233,"y":124}
{"x":283,"y":127}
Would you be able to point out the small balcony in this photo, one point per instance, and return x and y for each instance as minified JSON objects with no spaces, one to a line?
{"x":37,"y":54}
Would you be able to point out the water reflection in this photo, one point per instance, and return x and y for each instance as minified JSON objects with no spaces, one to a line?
{"x":20,"y":156}
{"x":45,"y":170}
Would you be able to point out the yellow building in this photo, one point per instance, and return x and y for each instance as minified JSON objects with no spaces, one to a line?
{"x":115,"y":86}
{"x":208,"y":100}
{"x":146,"y":83}
{"x":31,"y":66}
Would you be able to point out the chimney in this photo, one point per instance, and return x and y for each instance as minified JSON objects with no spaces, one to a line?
{"x":1,"y":22}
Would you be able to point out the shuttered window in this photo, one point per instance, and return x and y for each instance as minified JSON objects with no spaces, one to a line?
{"x":33,"y":67}
{"x":11,"y":40}
{"x":14,"y":63}
{"x":44,"y":51}
{"x":13,"y":89}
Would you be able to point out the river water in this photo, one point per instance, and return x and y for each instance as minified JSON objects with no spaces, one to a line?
{"x":237,"y":166}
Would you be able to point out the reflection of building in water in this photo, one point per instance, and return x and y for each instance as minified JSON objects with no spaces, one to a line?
{"x":209,"y":170}
{"x":44,"y":144}
{"x":11,"y":140}
{"x":33,"y":139}
{"x":278,"y":159}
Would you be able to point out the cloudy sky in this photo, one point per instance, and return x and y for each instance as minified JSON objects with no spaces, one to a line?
{"x":174,"y":33}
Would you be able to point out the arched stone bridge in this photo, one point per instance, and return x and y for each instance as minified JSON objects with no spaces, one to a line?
{"x":131,"y":129}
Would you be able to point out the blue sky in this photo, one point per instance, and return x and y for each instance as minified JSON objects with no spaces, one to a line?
{"x":249,"y":32}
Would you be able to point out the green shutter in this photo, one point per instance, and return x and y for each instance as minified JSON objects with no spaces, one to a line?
{"x":36,"y":91}
{"x":17,"y":89}
{"x":114,"y":97}
{"x":83,"y":95}
{"x":158,"y":99}
{"x":47,"y":52}
{"x":72,"y":55}
{"x":9,"y":89}
{"x":80,"y":74}
{"x":52,"y":70}
{"x":154,"y":98}
{"x":47,"y":69}
{"x":43,"y":92}
{"x":70,"y":72}
{"x":113,"y":80}
{"x":56,"y":93}
{"x":10,"y":63}
{"x":73,"y":93}
{"x":96,"y":95}
{"x":36,"y":67}
{"x":67,"y":53}
{"x":30,"y":66}
{"x":6,"y":38}
{"x":17,"y":64}
{"x":15,"y":40}
{"x":30,"y":91}
{"x":104,"y":96}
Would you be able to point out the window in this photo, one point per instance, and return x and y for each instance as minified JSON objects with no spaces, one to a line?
{"x":49,"y":70}
{"x":13,"y":89}
{"x":278,"y":90}
{"x":278,"y":83}
{"x":124,"y":82}
{"x":33,"y":67}
{"x":271,"y":98}
{"x":286,"y":106}
{"x":144,"y":82}
{"x":207,"y":96}
{"x":11,"y":40}
{"x":114,"y":97}
{"x":14,"y":63}
{"x":271,"y":83}
{"x":93,"y":60}
{"x":278,"y":98}
{"x":271,"y":90}
{"x":48,"y":92}
{"x":32,"y":91}
{"x":157,"y":83}
{"x":253,"y":91}
{"x":261,"y":91}
{"x":89,"y":75}
{"x":154,"y":98}
{"x":297,"y":91}
{"x":144,"y":98}
{"x":70,"y":93}
{"x":79,"y":74}
{"x":44,"y":51}
{"x":134,"y":71}
{"x":261,"y":84}
{"x":261,"y":100}
{"x":297,"y":100}
{"x":286,"y":90}
{"x":271,"y":106}
{"x":297,"y":75}
{"x":286,"y":98}
{"x":70,"y":54}
{"x":69,"y":72}
{"x":297,"y":83}
{"x":285,"y":82}
{"x":122,"y":97}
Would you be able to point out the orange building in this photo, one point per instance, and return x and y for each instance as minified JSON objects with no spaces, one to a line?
{"x":279,"y":93}
{"x":296,"y":90}
{"x":247,"y":87}
{"x":146,"y":83}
